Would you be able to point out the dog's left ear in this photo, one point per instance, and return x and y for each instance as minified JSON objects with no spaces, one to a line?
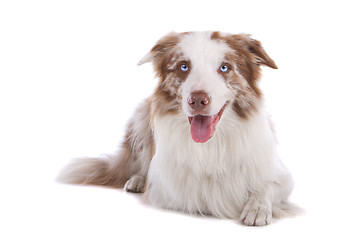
{"x":243,"y":44}
{"x":161,"y":48}
{"x":261,"y":57}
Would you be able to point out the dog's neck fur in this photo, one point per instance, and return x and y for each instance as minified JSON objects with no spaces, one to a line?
{"x":217,"y":173}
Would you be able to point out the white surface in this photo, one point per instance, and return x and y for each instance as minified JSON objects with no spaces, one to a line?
{"x":69,"y":82}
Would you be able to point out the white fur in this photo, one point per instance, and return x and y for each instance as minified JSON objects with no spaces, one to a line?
{"x":206,"y":57}
{"x":218,"y":176}
{"x":235,"y":174}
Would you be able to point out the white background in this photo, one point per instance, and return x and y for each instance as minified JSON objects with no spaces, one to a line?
{"x":69,"y":82}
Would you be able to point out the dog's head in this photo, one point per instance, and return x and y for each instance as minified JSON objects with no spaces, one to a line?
{"x":203,"y":73}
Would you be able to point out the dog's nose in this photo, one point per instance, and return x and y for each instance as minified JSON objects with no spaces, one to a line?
{"x":198,"y":100}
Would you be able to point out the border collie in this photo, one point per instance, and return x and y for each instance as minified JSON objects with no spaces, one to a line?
{"x":203,"y":142}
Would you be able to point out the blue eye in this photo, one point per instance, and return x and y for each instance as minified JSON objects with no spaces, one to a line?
{"x":224,"y":68}
{"x":184,"y":67}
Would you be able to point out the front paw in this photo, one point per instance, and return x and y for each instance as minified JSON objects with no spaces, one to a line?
{"x":135,"y":184}
{"x":257,"y":212}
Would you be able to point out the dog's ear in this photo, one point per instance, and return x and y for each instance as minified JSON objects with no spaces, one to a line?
{"x":161,"y":48}
{"x":243,"y":44}
{"x":147,"y":58}
{"x":249,"y":56}
{"x":261,"y":57}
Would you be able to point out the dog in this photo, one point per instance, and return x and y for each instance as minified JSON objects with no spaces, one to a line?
{"x":203,"y":142}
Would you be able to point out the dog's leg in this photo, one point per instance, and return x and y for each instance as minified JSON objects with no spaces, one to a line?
{"x":140,"y":140}
{"x":135,"y":184}
{"x":257,"y":211}
{"x":139,"y":170}
{"x":271,"y":201}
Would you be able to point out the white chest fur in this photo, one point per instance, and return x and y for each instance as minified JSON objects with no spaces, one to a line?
{"x":215,"y":177}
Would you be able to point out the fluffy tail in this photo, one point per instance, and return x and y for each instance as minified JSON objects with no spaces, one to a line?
{"x":104,"y":171}
{"x":133,"y":158}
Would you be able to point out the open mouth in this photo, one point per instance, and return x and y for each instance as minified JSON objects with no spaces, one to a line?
{"x":203,"y":127}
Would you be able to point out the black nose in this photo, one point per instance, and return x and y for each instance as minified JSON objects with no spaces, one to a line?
{"x":198,"y":100}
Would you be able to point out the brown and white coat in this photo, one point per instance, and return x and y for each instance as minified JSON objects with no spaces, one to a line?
{"x":202,"y":143}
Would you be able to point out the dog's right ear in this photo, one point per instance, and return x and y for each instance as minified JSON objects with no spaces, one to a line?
{"x":147,"y":58}
{"x":162,"y":47}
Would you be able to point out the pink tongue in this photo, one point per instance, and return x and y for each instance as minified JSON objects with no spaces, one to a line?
{"x":201,"y":128}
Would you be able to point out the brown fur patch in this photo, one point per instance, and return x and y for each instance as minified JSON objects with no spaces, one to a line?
{"x":249,"y":55}
{"x":167,"y":68}
{"x":163,"y":53}
{"x":216,"y":36}
{"x":248,"y":58}
{"x":164,"y":101}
